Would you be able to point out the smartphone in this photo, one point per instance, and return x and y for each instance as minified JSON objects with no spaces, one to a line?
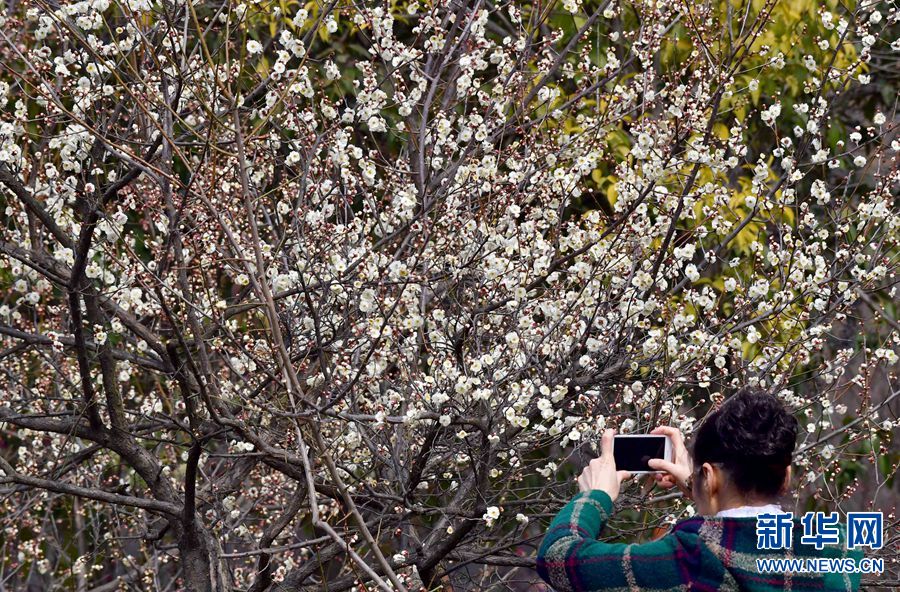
{"x":632,"y":451}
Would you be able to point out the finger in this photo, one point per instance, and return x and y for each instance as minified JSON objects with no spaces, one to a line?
{"x":667,"y":431}
{"x":582,"y":486}
{"x":585,"y":475}
{"x":606,"y":443}
{"x":665,"y":481}
{"x":659,"y":464}
{"x":673,"y":433}
{"x":623,"y":475}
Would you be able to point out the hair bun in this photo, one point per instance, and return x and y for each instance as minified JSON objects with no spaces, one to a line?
{"x":753,"y":435}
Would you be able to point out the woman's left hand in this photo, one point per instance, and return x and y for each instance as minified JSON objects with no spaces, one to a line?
{"x":601,"y":472}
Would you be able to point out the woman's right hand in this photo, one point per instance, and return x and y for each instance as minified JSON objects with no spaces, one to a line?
{"x":677,"y":472}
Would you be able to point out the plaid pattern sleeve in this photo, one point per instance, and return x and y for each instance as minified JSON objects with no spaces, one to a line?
{"x":571,"y":559}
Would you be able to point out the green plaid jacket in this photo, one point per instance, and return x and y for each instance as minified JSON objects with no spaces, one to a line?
{"x":699,"y":554}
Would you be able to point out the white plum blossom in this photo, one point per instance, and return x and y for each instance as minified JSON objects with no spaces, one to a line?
{"x":254,"y":47}
{"x":491,"y":514}
{"x":771,"y":113}
{"x":331,"y":70}
{"x":691,"y":272}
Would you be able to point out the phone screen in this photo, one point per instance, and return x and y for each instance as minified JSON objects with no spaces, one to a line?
{"x":633,"y":452}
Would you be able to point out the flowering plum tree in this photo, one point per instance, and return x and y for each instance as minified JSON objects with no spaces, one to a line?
{"x":294,"y":294}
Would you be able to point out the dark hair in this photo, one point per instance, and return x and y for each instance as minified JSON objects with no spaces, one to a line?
{"x":753,"y":436}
